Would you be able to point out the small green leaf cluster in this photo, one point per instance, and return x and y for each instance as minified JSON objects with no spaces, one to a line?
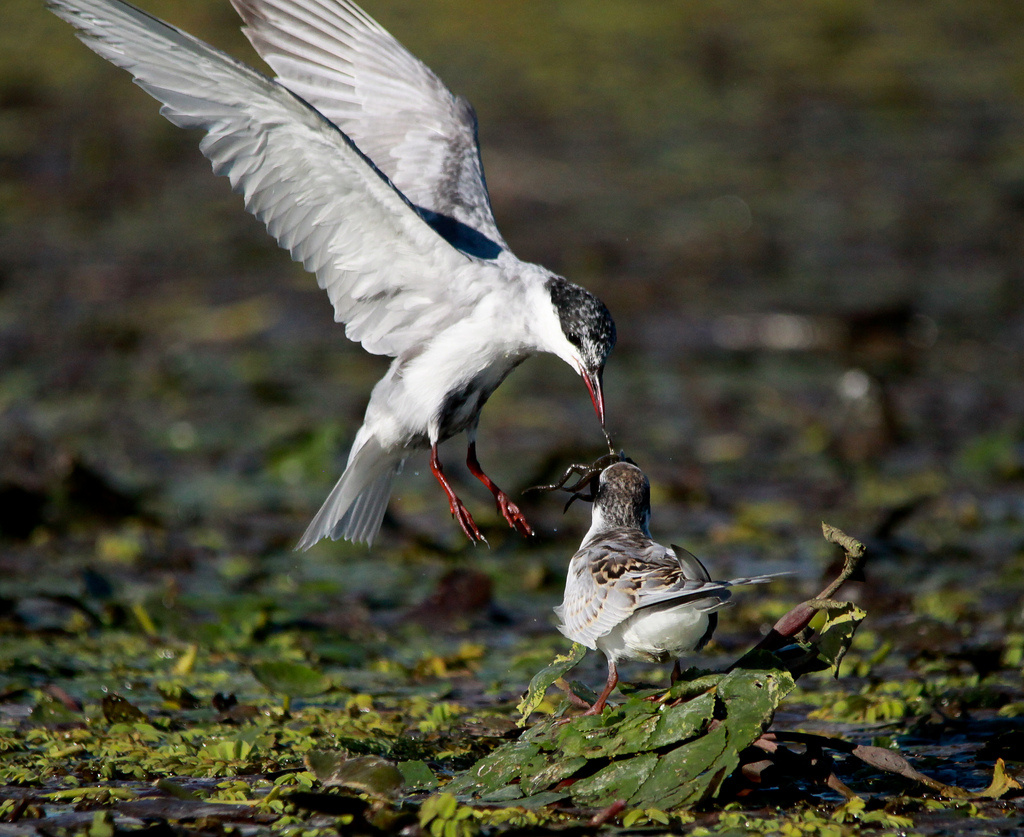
{"x":443,"y":816}
{"x":146,"y":750}
{"x":654,"y":817}
{"x":797,"y":824}
{"x":889,"y":701}
{"x":875,"y":703}
{"x":856,"y":810}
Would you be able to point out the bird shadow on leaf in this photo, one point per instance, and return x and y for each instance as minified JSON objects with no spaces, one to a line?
{"x":702,"y":738}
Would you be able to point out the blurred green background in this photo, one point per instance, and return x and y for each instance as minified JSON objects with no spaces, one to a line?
{"x":806,"y":218}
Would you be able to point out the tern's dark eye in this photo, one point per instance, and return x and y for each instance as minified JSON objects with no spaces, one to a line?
{"x":585,"y":320}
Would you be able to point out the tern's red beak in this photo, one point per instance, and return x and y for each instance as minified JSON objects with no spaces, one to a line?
{"x":593,"y":383}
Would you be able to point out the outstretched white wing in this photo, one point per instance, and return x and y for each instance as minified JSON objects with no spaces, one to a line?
{"x":336,"y":57}
{"x":391,"y":278}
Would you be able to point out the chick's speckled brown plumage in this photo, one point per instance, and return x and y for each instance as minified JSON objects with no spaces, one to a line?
{"x":630,"y":597}
{"x":624,"y":571}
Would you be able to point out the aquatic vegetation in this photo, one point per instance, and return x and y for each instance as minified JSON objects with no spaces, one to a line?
{"x":806,"y":222}
{"x":283,"y":739}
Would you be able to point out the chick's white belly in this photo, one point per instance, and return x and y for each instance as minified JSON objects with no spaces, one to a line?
{"x":656,"y":634}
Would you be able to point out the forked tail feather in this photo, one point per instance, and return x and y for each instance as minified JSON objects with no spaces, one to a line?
{"x":355,"y":507}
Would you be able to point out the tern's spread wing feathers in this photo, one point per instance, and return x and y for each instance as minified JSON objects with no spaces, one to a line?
{"x":401,"y":115}
{"x":612,"y":577}
{"x":390,"y":277}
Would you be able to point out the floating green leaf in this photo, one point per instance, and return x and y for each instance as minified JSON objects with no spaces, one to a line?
{"x":543,"y":772}
{"x":544,"y":678}
{"x":365,"y":774}
{"x":417,"y":775}
{"x":117,"y":710}
{"x":293,"y":680}
{"x":617,"y":780}
{"x":495,"y":770}
{"x":682,"y":721}
{"x":691,"y":773}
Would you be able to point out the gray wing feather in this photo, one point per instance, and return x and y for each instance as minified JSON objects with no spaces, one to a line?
{"x":589,"y":610}
{"x":690,"y":564}
{"x":399,"y":113}
{"x":596,"y":600}
{"x":318,"y":195}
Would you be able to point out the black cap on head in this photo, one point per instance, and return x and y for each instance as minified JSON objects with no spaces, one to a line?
{"x":588,"y":326}
{"x":586,"y":322}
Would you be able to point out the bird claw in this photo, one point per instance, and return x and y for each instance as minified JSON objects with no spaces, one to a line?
{"x":596,"y":709}
{"x":510,"y":511}
{"x":586,"y":474}
{"x":465,"y":520}
{"x":590,"y":711}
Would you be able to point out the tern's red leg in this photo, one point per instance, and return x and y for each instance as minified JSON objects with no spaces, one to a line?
{"x":613,"y":678}
{"x":459,"y":511}
{"x":507,"y":509}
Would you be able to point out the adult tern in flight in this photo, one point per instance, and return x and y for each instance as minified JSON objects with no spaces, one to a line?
{"x":366,"y":168}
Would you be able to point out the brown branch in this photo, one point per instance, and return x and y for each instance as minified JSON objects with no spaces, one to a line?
{"x":605,"y":814}
{"x":800,"y":616}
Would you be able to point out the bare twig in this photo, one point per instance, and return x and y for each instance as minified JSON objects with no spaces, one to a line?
{"x":800,"y":616}
{"x":605,"y":814}
{"x":574,"y":698}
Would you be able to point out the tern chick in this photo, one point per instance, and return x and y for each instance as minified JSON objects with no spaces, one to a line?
{"x":365,"y":167}
{"x":632,"y":598}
